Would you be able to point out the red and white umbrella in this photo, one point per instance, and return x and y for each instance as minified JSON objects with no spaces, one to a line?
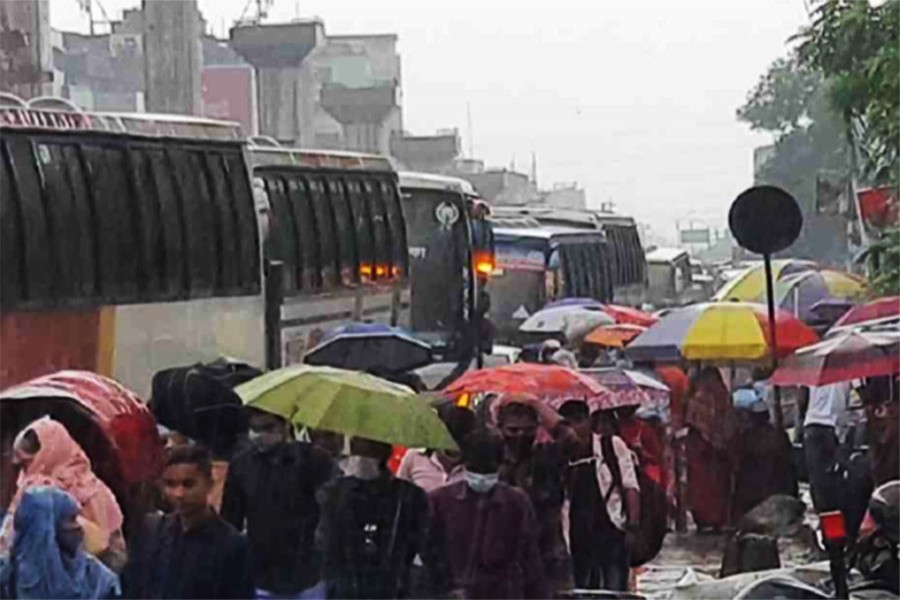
{"x":851,"y":355}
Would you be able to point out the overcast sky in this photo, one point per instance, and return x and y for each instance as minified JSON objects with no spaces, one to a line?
{"x":635,"y":100}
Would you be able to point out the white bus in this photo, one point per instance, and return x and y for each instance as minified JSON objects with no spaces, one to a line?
{"x":132,"y":243}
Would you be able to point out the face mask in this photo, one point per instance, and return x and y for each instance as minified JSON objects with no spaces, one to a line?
{"x":481,"y":483}
{"x":263,"y":441}
{"x":363,"y":467}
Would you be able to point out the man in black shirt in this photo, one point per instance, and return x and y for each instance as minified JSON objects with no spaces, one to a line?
{"x":372,"y":527}
{"x":190,"y":553}
{"x":271,"y":493}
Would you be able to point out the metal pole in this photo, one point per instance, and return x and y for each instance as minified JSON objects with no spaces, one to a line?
{"x":274,"y":291}
{"x":770,"y":296}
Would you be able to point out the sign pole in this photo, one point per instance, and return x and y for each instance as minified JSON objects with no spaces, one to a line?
{"x":773,"y":340}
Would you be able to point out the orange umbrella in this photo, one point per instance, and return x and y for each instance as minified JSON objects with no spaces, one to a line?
{"x":614,"y":336}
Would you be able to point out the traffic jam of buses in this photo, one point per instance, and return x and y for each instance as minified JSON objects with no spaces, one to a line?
{"x":238,"y":366}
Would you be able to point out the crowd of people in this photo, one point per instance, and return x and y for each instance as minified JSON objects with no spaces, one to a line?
{"x":539,"y":499}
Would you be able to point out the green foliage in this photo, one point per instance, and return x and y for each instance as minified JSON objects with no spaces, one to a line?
{"x":790,"y":101}
{"x":884,"y":259}
{"x":856,"y":46}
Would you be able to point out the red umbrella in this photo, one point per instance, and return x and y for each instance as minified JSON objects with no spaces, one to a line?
{"x":852,"y":355}
{"x":545,"y":382}
{"x":877,"y":309}
{"x":627,"y":314}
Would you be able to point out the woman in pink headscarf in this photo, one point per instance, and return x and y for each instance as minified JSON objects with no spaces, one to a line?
{"x":46,"y":455}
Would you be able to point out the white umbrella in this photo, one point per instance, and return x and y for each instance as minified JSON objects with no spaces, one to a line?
{"x":572,"y":321}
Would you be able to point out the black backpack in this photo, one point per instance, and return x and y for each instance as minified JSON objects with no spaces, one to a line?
{"x":653,"y":524}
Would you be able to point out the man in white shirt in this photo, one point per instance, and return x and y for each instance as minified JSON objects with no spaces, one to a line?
{"x":825,"y":415}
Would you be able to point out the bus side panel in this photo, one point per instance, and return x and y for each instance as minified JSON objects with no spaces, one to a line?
{"x":152,"y":337}
{"x":42,"y":342}
{"x":305,"y":320}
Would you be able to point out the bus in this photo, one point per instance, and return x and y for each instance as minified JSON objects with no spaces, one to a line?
{"x":335,"y":222}
{"x":451,"y":257}
{"x":134,"y":243}
{"x":629,"y":263}
{"x":538,"y":264}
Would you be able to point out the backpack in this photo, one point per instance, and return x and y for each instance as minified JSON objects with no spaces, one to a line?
{"x":654,"y":508}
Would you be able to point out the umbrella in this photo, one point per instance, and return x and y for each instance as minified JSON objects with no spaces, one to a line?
{"x":719,"y":331}
{"x":348,"y":402}
{"x":852,"y":355}
{"x":632,"y":388}
{"x":573,"y":321}
{"x":370,"y":347}
{"x":545,"y":382}
{"x":750,"y":285}
{"x":621,"y":314}
{"x":799,"y":292}
{"x":614,"y":336}
{"x":877,"y":309}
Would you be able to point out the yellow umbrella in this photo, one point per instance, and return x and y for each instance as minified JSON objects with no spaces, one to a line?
{"x":750,"y":285}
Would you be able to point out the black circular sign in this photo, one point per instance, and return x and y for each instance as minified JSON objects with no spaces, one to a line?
{"x":765,"y":219}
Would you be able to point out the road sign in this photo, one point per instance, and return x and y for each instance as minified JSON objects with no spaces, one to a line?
{"x":695,"y":236}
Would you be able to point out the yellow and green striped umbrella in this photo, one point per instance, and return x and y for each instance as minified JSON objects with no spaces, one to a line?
{"x":348,"y":402}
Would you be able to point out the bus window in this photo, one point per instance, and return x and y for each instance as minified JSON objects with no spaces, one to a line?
{"x":397,"y":227}
{"x":61,"y":217}
{"x":85,"y":225}
{"x":282,"y":242}
{"x":593,"y":270}
{"x":326,"y":229}
{"x":11,"y":268}
{"x":152,"y":258}
{"x":604,"y":255}
{"x":198,"y":227}
{"x":306,"y":228}
{"x":380,"y":232}
{"x":346,"y":233}
{"x":225,"y":217}
{"x":245,"y":218}
{"x":38,"y":268}
{"x":556,"y":279}
{"x":362,"y":229}
{"x":170,"y":218}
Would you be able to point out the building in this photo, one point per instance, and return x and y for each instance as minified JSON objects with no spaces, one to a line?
{"x":26,"y":57}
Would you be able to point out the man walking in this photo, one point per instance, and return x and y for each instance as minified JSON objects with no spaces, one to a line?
{"x":271,"y":493}
{"x":538,"y":470}
{"x":483,"y":535}
{"x":372,"y":527}
{"x":190,"y":553}
{"x":824,"y":416}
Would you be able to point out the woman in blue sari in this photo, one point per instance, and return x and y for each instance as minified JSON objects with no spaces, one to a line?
{"x":47,"y":559}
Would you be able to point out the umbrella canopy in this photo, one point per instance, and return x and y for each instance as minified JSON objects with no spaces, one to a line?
{"x":621,"y":314}
{"x":348,"y":402}
{"x":632,"y":388}
{"x":750,"y":285}
{"x":545,"y":382}
{"x":852,"y":355}
{"x":614,"y":336}
{"x":719,"y":331}
{"x":798,"y":293}
{"x":573,"y":321}
{"x":121,"y":415}
{"x":877,"y":309}
{"x":370,"y":347}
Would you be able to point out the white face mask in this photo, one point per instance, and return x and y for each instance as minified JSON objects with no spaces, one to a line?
{"x":363,"y":467}
{"x":481,"y":483}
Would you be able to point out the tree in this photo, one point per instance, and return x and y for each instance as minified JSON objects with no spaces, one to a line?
{"x":856,"y":46}
{"x":789,"y":101}
{"x":884,"y":260}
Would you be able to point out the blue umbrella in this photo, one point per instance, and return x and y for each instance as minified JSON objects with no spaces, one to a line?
{"x":372,"y":347}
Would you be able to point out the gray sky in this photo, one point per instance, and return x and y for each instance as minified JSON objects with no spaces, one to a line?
{"x":634,"y":100}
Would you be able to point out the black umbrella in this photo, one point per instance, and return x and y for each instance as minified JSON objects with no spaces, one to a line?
{"x":370,"y":347}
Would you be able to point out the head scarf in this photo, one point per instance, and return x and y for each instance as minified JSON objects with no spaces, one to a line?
{"x":41,"y":568}
{"x":62,"y":463}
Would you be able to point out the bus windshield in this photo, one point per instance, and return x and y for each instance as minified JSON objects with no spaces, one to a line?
{"x":438,"y":243}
